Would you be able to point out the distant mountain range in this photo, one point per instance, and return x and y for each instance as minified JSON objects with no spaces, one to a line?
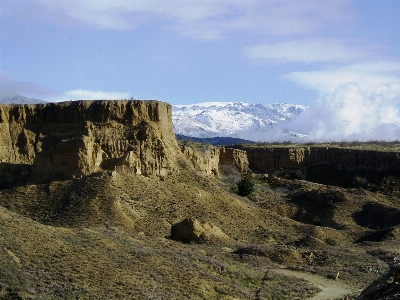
{"x":256,"y":122}
{"x":9,"y":98}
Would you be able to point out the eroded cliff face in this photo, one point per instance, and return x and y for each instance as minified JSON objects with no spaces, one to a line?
{"x":40,"y":143}
{"x":275,"y":158}
{"x":212,"y":159}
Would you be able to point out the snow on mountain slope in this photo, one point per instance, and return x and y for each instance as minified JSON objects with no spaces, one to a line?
{"x":9,"y":98}
{"x":236,"y":119}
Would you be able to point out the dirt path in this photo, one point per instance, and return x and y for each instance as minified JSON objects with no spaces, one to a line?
{"x":331,"y":289}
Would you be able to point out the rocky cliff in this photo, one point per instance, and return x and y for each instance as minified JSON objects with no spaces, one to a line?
{"x":210,"y":160}
{"x":44,"y":142}
{"x":270,"y":159}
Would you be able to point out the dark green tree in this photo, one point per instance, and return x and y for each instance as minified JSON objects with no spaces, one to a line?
{"x":245,"y":185}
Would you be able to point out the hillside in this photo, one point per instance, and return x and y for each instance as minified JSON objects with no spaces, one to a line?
{"x":102,"y":228}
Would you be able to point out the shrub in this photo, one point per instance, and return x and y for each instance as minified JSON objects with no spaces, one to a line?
{"x":231,"y":174}
{"x":317,"y":221}
{"x":360,"y":181}
{"x":245,"y":185}
{"x":331,"y":241}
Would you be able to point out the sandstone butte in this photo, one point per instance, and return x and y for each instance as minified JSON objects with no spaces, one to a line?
{"x":57,"y":141}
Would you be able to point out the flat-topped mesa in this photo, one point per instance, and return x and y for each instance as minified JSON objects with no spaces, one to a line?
{"x":271,"y":159}
{"x":45,"y":142}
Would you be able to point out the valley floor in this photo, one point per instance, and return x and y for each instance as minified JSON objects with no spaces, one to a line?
{"x":107,"y":236}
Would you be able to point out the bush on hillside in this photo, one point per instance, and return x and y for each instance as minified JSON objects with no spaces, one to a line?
{"x":231,"y":174}
{"x":245,"y":185}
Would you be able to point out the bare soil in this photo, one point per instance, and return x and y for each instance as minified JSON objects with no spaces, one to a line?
{"x":330,"y":289}
{"x":106,"y":236}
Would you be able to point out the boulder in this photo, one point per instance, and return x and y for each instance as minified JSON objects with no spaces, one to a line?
{"x":192,"y":230}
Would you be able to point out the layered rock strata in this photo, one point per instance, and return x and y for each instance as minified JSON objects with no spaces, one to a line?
{"x":44,"y":142}
{"x":275,"y":158}
{"x":210,"y":160}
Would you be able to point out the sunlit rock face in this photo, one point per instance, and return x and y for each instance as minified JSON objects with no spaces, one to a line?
{"x":44,"y":142}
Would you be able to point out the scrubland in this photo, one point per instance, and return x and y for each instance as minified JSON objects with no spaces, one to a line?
{"x":107,"y":236}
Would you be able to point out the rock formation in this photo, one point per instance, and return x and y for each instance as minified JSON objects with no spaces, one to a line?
{"x":191,"y":230}
{"x":272,"y":159}
{"x":57,"y":141}
{"x":44,"y":142}
{"x":212,"y":159}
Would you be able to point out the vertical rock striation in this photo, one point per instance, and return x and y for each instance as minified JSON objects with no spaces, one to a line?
{"x":270,"y":159}
{"x":44,"y":142}
{"x":212,"y":159}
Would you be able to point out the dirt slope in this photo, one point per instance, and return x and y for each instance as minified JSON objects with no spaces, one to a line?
{"x":106,"y":235}
{"x":330,"y":289}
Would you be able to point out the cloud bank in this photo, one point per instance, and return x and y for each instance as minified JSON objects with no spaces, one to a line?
{"x":80,"y":94}
{"x":351,"y":114}
{"x":358,"y":102}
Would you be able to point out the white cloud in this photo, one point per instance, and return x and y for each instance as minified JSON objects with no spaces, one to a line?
{"x":200,"y":19}
{"x":307,"y":51}
{"x":80,"y":94}
{"x":277,"y":17}
{"x":350,"y":114}
{"x":360,"y":102}
{"x":372,"y":78}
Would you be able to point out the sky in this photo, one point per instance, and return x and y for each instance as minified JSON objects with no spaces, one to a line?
{"x":340,"y":56}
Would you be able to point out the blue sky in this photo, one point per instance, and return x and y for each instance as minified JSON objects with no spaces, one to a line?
{"x":182,"y":52}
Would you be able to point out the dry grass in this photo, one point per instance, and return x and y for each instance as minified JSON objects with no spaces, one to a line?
{"x":106,"y":237}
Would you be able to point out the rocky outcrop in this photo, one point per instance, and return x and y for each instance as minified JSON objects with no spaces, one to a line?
{"x":275,"y":158}
{"x":191,"y":230}
{"x":44,"y":142}
{"x":212,"y":159}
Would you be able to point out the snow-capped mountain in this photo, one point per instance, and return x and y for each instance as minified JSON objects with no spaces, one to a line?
{"x":258,"y":122}
{"x":9,"y":98}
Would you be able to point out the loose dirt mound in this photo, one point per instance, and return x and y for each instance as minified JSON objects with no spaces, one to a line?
{"x":90,"y":201}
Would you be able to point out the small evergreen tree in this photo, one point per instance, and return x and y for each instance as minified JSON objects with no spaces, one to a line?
{"x":245,"y":185}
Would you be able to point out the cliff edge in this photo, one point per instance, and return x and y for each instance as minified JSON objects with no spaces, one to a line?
{"x":55,"y":141}
{"x":272,"y":159}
